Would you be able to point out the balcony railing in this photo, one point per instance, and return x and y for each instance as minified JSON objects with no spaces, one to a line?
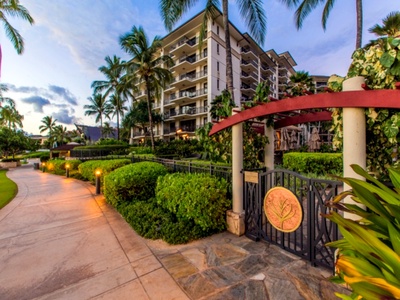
{"x":191,"y":42}
{"x":247,"y":62}
{"x":191,"y":58}
{"x":245,"y":74}
{"x":192,"y":76}
{"x":186,"y":111}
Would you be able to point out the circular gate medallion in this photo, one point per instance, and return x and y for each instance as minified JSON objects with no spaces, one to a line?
{"x":282,"y":209}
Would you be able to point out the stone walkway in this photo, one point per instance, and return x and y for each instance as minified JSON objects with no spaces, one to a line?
{"x":58,"y":240}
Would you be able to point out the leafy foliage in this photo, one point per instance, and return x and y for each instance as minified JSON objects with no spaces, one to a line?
{"x":88,"y":168}
{"x":197,"y":197}
{"x":369,"y":253}
{"x":318,"y":163}
{"x":57,"y":166}
{"x":178,"y":148}
{"x":132,"y":182}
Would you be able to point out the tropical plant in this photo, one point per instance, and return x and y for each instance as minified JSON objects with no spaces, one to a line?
{"x":10,"y":117}
{"x":306,"y":6}
{"x":98,"y":106}
{"x":117,"y":103}
{"x":369,"y":253}
{"x":300,"y":84}
{"x":48,"y":124}
{"x":113,"y":72}
{"x":11,"y":142}
{"x":107,"y":130}
{"x":251,"y":11}
{"x":390,"y":27}
{"x":145,"y":65}
{"x":9,"y":101}
{"x":222,"y":105}
{"x":60,"y":134}
{"x":14,"y":9}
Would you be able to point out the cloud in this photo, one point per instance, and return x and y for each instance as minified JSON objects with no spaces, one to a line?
{"x":64,"y":93}
{"x":22,"y":89}
{"x":37,"y":102}
{"x":65,"y":116}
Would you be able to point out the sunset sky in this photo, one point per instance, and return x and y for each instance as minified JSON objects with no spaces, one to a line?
{"x":70,"y":40}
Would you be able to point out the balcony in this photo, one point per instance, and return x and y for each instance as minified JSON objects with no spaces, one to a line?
{"x":184,"y":45}
{"x":189,"y":79}
{"x":139,"y":95}
{"x":249,"y":77}
{"x":189,"y":61}
{"x":250,"y":54}
{"x":250,"y":65}
{"x":187,"y":111}
{"x":182,"y":96}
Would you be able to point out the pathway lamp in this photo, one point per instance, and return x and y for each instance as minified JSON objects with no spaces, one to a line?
{"x":43,"y":166}
{"x":67,"y":166}
{"x":97,"y":173}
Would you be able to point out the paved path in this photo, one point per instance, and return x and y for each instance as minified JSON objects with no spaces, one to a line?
{"x":60,"y":241}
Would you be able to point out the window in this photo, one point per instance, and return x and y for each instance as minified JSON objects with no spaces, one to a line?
{"x":218,"y":30}
{"x":217,"y":48}
{"x":205,"y":52}
{"x":218,"y":66}
{"x":218,"y":84}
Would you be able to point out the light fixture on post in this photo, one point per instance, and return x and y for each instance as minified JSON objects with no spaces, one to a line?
{"x":43,"y":166}
{"x":67,"y":166}
{"x":97,"y":173}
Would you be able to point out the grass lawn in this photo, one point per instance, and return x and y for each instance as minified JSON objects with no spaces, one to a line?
{"x":8,"y":189}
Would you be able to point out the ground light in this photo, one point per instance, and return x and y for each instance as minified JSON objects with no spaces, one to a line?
{"x":43,"y":166}
{"x":97,"y":173}
{"x":67,"y":166}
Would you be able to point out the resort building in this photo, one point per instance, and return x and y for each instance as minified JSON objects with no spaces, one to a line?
{"x":200,"y":75}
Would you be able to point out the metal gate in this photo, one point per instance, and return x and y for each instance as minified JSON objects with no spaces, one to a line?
{"x":308,"y":241}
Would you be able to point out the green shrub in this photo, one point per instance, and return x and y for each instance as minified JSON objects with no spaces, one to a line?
{"x":57,"y":166}
{"x":88,"y":168}
{"x":135,"y":181}
{"x":197,"y":197}
{"x":38,"y":154}
{"x":140,"y":150}
{"x":99,"y":150}
{"x":10,"y":160}
{"x":317,"y":163}
{"x":154,"y":222}
{"x":109,"y":141}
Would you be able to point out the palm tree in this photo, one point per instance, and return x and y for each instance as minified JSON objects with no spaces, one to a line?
{"x":10,"y":117}
{"x":60,"y":133}
{"x":250,"y":10}
{"x":145,"y":65}
{"x":306,"y":6}
{"x":107,"y":129}
{"x":48,"y":124}
{"x":14,"y":9}
{"x":98,"y":106}
{"x":4,"y":88}
{"x":300,"y":84}
{"x":113,"y":72}
{"x":391,"y":26}
{"x":117,"y":102}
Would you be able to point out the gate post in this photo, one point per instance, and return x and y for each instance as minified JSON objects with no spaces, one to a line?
{"x":235,"y":217}
{"x":354,"y":137}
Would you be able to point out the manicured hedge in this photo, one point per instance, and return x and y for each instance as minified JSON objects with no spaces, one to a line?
{"x":57,"y":166}
{"x":134,"y":182}
{"x":88,"y":168}
{"x":317,"y":163}
{"x":140,"y":150}
{"x":200,"y":198}
{"x":99,"y":150}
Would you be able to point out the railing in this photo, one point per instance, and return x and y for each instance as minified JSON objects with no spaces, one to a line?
{"x":169,"y":130}
{"x":186,"y":111}
{"x":246,"y":62}
{"x":192,"y":94}
{"x":247,"y":87}
{"x":247,"y":50}
{"x":194,"y":76}
{"x":191,"y":42}
{"x":191,"y":58}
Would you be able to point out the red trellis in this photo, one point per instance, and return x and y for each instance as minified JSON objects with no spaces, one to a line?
{"x":311,"y":108}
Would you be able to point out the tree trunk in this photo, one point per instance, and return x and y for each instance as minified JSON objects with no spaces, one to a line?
{"x":229,"y":72}
{"x":101,"y":126}
{"x":150,"y":115}
{"x":359,"y":11}
{"x":117,"y":125}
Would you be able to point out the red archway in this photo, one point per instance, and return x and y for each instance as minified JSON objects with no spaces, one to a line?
{"x":303,"y":107}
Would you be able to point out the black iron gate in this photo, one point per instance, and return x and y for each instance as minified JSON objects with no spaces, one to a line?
{"x":309,"y":240}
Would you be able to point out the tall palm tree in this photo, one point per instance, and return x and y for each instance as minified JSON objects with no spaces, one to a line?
{"x":98,"y":106}
{"x":113,"y":72}
{"x":60,"y":134}
{"x":390,"y":27}
{"x":48,"y":124}
{"x":14,"y":9}
{"x":250,"y":10}
{"x":117,"y":102}
{"x":145,"y":65}
{"x":306,"y":6}
{"x":4,"y":88}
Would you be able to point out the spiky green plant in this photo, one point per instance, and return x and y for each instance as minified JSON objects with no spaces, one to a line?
{"x":369,"y":253}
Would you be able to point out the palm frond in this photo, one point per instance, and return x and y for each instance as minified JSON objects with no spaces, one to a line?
{"x":253,"y":13}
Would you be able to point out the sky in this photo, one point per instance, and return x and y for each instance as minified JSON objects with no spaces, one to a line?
{"x":70,"y":39}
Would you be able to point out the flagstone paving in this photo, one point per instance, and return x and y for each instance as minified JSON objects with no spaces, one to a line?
{"x":58,"y":240}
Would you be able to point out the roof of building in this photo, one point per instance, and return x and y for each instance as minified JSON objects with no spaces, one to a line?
{"x":92,"y":133}
{"x":66,"y":147}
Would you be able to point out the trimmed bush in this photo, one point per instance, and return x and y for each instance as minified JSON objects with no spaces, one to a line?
{"x":133,"y":182}
{"x":200,"y":198}
{"x":154,"y":222}
{"x":88,"y":168}
{"x":140,"y":150}
{"x":317,"y":163}
{"x":99,"y":150}
{"x":57,"y":166}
